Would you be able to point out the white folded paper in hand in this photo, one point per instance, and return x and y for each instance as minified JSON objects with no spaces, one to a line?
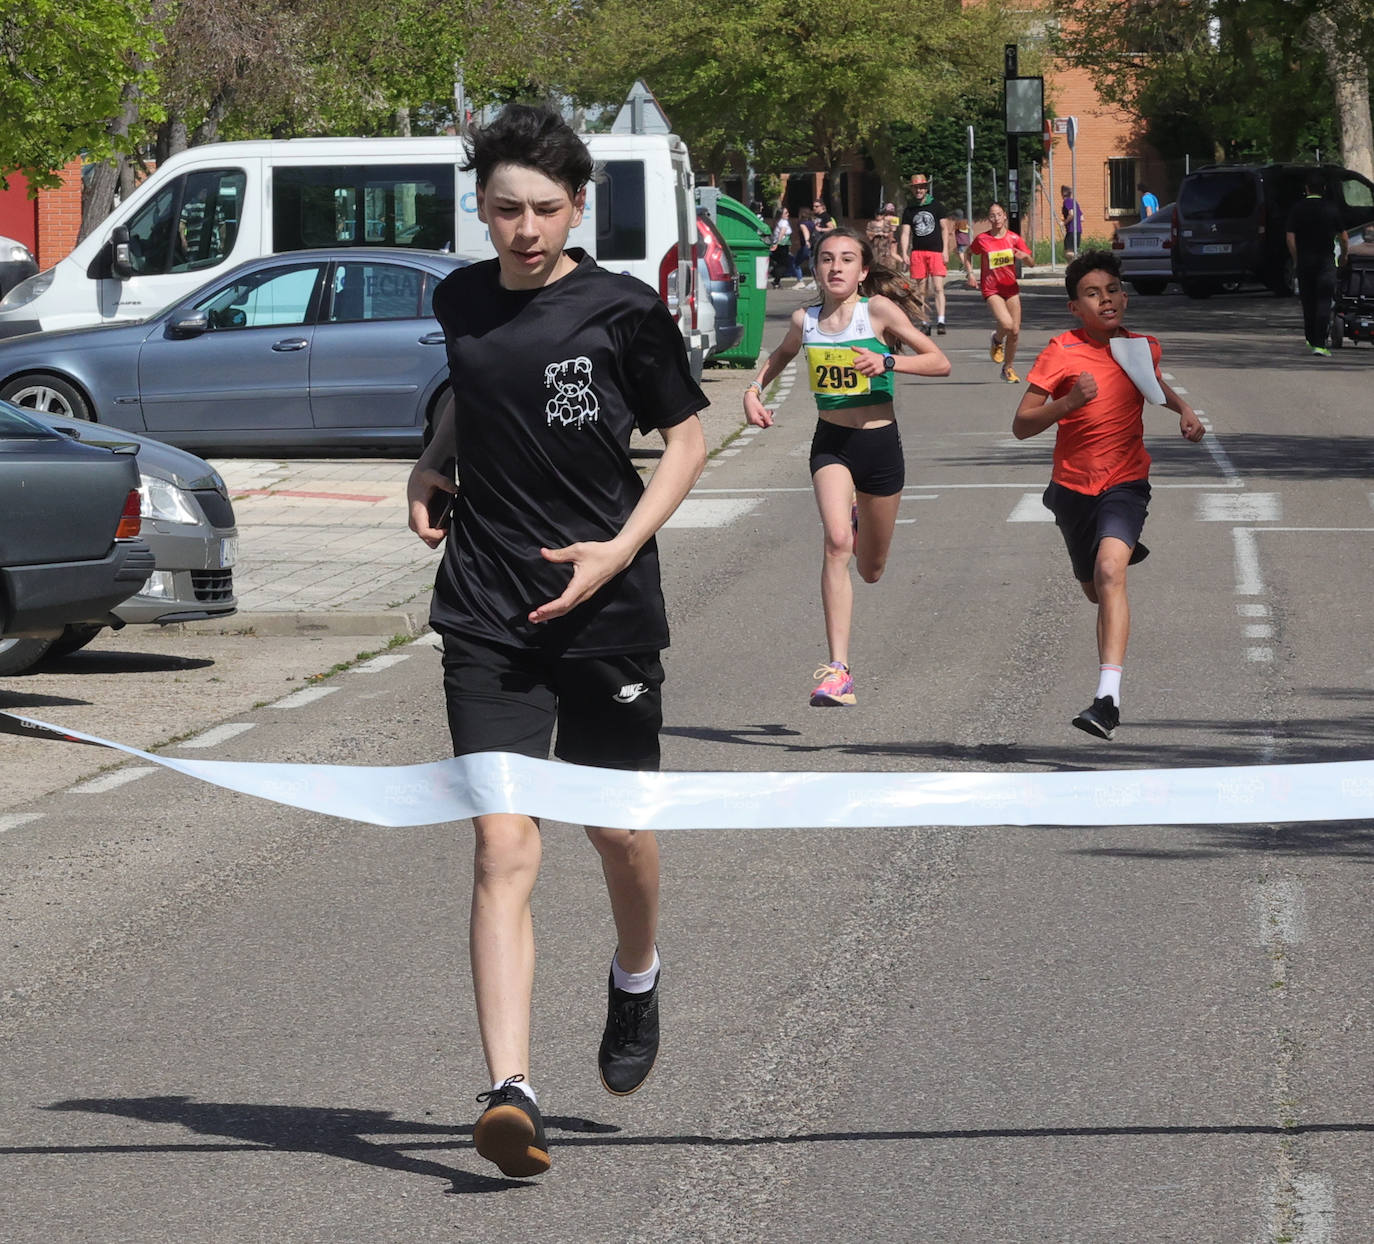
{"x":1132,"y":355}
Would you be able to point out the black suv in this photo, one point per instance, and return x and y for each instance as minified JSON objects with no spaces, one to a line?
{"x":1230,"y":220}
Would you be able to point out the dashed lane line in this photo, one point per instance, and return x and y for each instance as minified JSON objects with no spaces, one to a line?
{"x":111,"y":781}
{"x":218,"y":734}
{"x":306,"y":695}
{"x":13,"y":820}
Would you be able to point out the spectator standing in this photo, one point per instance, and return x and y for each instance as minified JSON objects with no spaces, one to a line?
{"x":1314,"y":231}
{"x":924,"y":241}
{"x":822,"y":223}
{"x":1072,"y":216}
{"x":963,"y":239}
{"x":802,"y":262}
{"x":781,"y":248}
{"x":882,"y":235}
{"x":1149,"y":205}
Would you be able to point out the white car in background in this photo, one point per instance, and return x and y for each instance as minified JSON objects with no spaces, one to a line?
{"x":16,"y":264}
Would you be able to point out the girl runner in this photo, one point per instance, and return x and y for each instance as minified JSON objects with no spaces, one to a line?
{"x":996,"y":250}
{"x":856,"y":454}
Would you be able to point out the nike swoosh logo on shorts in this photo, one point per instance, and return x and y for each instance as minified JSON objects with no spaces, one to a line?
{"x":630,"y":692}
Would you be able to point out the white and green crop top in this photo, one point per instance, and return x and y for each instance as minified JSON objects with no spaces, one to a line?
{"x":834,"y":382}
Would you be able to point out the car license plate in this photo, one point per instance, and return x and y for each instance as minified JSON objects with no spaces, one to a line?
{"x":1217,"y":248}
{"x":228,"y":552}
{"x":1134,"y":242}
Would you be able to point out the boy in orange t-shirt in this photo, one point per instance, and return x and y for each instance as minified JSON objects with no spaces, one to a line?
{"x":1099,"y":490}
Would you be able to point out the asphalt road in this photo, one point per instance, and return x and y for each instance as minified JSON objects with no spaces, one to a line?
{"x":228,"y":1021}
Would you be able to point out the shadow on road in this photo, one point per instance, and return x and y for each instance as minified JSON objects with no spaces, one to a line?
{"x":347,"y":1134}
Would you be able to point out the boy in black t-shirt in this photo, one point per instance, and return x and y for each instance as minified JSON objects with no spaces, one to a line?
{"x":548,"y":596}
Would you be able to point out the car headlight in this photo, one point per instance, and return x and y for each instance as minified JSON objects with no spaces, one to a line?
{"x":15,"y":252}
{"x":166,"y":502}
{"x":26,"y":291}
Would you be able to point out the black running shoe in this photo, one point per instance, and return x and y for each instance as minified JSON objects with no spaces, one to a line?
{"x":1138,"y":554}
{"x":511,"y":1132}
{"x":1101,"y":717}
{"x":940,"y":328}
{"x":630,"y":1043}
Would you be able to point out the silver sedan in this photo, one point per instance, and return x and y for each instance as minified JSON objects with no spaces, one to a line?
{"x":322,"y":350}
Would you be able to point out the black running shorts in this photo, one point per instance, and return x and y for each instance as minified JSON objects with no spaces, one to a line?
{"x":608,"y":710}
{"x":1084,"y":521}
{"x":873,"y":456}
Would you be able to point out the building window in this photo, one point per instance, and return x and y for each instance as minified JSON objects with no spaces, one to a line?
{"x":1121,"y":179}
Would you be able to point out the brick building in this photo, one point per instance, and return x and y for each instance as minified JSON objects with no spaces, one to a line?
{"x":50,"y":224}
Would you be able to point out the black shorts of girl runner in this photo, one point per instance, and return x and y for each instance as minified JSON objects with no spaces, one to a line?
{"x":608,"y":709}
{"x":1085,"y":520}
{"x":873,"y":456}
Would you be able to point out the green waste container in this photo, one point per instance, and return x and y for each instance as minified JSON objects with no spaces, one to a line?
{"x":747,"y":236}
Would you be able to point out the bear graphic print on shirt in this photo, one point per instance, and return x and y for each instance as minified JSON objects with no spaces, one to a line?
{"x":572,"y":401}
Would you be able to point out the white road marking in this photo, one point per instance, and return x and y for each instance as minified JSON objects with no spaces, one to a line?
{"x":306,"y":695}
{"x":1260,"y":656}
{"x":1250,"y":507}
{"x":1258,"y":630}
{"x":430,"y":639}
{"x":376,"y":664}
{"x":727,"y":453}
{"x":1253,"y":611}
{"x":1030,"y":509}
{"x":698,"y":513}
{"x":13,"y":820}
{"x":1248,"y":579}
{"x":110,"y":781}
{"x":218,"y":734}
{"x":1219,"y":455}
{"x":1315,"y":1209}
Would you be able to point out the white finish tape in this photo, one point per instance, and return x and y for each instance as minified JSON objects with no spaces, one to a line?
{"x":456,"y":789}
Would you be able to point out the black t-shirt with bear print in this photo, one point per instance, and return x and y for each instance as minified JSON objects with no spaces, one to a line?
{"x":549,"y":385}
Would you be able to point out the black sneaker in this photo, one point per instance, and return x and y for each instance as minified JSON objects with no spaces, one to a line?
{"x":630,"y":1043}
{"x":1138,"y":554}
{"x":940,"y":328}
{"x":925,"y":328}
{"x":511,"y":1132}
{"x":1101,"y":717}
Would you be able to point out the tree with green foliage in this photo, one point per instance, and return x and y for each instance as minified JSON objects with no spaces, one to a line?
{"x":67,"y":69}
{"x":1231,"y":79}
{"x":773,"y":83}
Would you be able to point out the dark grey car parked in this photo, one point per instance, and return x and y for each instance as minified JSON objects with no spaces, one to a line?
{"x":69,"y":546}
{"x":309,"y":350}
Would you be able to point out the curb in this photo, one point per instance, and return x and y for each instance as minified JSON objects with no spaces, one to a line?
{"x":360,"y":622}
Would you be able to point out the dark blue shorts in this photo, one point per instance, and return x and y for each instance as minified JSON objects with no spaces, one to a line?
{"x":872,"y":456}
{"x":608,"y":710}
{"x":1083,"y":521}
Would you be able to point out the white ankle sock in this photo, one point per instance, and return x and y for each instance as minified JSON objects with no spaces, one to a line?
{"x":523,"y":1085}
{"x":634,"y":982}
{"x":1109,"y":683}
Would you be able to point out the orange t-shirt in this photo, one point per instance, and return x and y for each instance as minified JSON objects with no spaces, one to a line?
{"x":1102,"y":442}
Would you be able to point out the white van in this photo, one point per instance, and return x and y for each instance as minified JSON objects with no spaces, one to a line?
{"x":211,"y":207}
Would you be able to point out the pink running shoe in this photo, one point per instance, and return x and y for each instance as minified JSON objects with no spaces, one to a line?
{"x":835,"y":686}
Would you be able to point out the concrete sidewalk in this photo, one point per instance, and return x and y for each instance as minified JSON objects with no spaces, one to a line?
{"x":324,"y":547}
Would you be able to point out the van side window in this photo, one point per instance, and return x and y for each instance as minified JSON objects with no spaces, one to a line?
{"x":276,"y":298}
{"x":192,"y":223}
{"x":620,"y":209}
{"x":363,"y":205}
{"x":1357,"y":199}
{"x":375,"y":291}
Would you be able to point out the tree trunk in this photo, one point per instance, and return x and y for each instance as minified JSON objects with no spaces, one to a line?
{"x":208,"y":130}
{"x":97,"y":197}
{"x":403,"y":122}
{"x":1349,"y":72}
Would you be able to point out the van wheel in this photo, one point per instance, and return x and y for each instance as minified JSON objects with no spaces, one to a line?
{"x":1198,"y":289}
{"x":1337,"y":331}
{"x":51,"y":394}
{"x":1149,"y":287}
{"x":16,"y":655}
{"x":75,"y":637}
